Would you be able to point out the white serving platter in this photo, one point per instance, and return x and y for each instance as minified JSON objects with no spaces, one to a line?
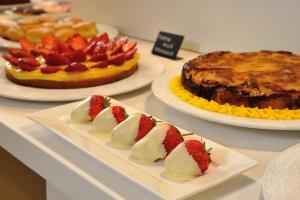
{"x":282,"y":177}
{"x":226,"y":163}
{"x":162,"y":91}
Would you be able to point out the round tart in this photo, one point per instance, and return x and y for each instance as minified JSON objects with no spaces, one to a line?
{"x":76,"y":63}
{"x":264,"y":79}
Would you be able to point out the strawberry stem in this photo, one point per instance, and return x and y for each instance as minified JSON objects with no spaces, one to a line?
{"x":107,"y":102}
{"x":186,"y":134}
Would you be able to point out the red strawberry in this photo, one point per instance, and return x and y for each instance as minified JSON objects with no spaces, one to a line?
{"x":19,"y":53}
{"x":77,"y":42}
{"x":197,"y":150}
{"x":56,"y":59}
{"x":76,"y":56}
{"x":31,"y":61}
{"x":116,"y":49}
{"x":103,"y":38}
{"x":39,"y":50}
{"x":101,"y":64}
{"x":50,"y":69}
{"x":123,"y":40}
{"x":27,"y":64}
{"x":145,"y":125}
{"x":76,"y":67}
{"x":118,"y":59}
{"x":129,"y":46}
{"x":111,"y":45}
{"x":97,"y":104}
{"x":172,"y":139}
{"x":90,"y":48}
{"x":119,"y":113}
{"x":129,"y":54}
{"x":27,"y":45}
{"x":60,"y":47}
{"x":48,"y":41}
{"x":12,"y":60}
{"x":98,"y":57}
{"x":100,"y":48}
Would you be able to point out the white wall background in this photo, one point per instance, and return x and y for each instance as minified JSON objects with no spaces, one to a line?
{"x":207,"y":25}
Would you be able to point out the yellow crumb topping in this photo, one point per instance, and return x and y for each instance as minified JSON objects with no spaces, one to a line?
{"x":240,"y":111}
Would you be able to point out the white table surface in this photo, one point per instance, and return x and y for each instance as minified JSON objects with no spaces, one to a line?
{"x":76,"y":176}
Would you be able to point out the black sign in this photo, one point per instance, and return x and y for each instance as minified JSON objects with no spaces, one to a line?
{"x":167,"y":45}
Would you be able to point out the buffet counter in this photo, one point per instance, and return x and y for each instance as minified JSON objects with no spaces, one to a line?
{"x":71,"y":174}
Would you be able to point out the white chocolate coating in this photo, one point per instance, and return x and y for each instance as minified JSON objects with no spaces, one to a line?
{"x":124,"y":134}
{"x":151,"y":148}
{"x":180,"y":165}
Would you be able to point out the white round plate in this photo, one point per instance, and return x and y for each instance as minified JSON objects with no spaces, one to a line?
{"x":147,"y":72}
{"x":282,"y":178}
{"x":160,"y":88}
{"x":111,"y":31}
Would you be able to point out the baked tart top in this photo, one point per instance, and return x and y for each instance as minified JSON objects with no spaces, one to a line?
{"x":262,"y":73}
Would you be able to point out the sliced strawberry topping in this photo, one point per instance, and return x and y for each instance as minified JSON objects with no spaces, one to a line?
{"x":76,"y":67}
{"x":27,"y":45}
{"x":97,"y":104}
{"x":145,"y":125}
{"x":19,"y":53}
{"x":111,"y":45}
{"x":90,"y":48}
{"x":50,"y":69}
{"x":60,"y":47}
{"x":123,"y":40}
{"x":172,"y":139}
{"x":98,"y":57}
{"x":116,"y":49}
{"x":100,"y":48}
{"x":48,"y":41}
{"x":31,"y":61}
{"x":129,"y":46}
{"x":129,"y":54}
{"x":101,"y":38}
{"x":39,"y":50}
{"x":56,"y":59}
{"x":101,"y":64}
{"x":197,"y":150}
{"x":12,"y":60}
{"x":77,"y":56}
{"x":77,"y":42}
{"x":118,"y":59}
{"x":119,"y":113}
{"x":27,"y":64}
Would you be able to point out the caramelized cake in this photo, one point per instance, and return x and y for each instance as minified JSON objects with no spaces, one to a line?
{"x":253,"y":79}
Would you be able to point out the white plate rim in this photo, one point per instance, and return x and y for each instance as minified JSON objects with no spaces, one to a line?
{"x":270,"y":179}
{"x":55,"y":112}
{"x":147,"y":72}
{"x":160,"y":89}
{"x":112,"y":32}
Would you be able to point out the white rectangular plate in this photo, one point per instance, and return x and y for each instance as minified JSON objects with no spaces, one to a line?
{"x":226,"y":163}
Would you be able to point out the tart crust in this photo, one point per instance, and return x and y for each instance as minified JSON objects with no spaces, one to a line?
{"x":51,"y":84}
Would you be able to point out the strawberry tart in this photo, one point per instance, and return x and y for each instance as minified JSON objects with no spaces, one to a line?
{"x":76,"y":63}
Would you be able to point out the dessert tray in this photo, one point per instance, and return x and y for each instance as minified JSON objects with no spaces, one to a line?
{"x":162,"y":91}
{"x":101,"y":28}
{"x":147,"y":72}
{"x":282,"y":177}
{"x":226,"y":163}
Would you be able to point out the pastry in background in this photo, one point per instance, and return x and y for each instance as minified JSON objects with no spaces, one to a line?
{"x":34,"y":28}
